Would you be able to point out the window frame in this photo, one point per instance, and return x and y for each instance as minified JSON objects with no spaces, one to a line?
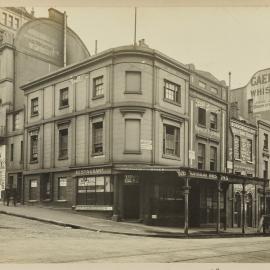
{"x":213,"y":122}
{"x":62,"y":101}
{"x":176,"y":142}
{"x":4,"y":18}
{"x":176,"y":93}
{"x":265,"y":171}
{"x":199,"y":115}
{"x":250,"y":144}
{"x":12,"y":152}
{"x":17,"y":23}
{"x":139,"y":91}
{"x":34,"y":107}
{"x":250,"y":105}
{"x":213,"y":159}
{"x":265,"y":142}
{"x":33,"y":155}
{"x":94,"y":135}
{"x":62,"y":152}
{"x":202,"y":161}
{"x":238,"y":156}
{"x":96,"y":85}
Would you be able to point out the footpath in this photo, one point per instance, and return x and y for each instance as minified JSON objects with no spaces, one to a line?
{"x":77,"y":220}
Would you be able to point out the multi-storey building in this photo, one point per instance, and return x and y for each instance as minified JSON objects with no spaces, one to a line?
{"x":35,"y":49}
{"x":11,"y":19}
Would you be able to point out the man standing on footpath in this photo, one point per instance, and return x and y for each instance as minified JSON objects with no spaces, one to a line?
{"x":7,"y":194}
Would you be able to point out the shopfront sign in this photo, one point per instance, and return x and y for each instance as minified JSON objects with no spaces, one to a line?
{"x":131,"y":179}
{"x":63,"y":182}
{"x":206,"y":175}
{"x":258,"y":89}
{"x":93,"y":171}
{"x":146,"y":145}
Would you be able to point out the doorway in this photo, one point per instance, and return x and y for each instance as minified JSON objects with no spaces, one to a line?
{"x":249,"y":210}
{"x":237,"y":210}
{"x":132,"y":201}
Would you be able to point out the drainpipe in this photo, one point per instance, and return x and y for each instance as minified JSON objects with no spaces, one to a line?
{"x":65,"y":39}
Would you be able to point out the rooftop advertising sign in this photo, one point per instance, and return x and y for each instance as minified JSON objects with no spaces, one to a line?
{"x":258,"y":89}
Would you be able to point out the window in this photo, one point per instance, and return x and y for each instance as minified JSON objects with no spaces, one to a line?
{"x":213,"y":121}
{"x":95,"y":191}
{"x":21,"y":151}
{"x":98,"y":138}
{"x":34,"y":106}
{"x":133,"y":82}
{"x":62,"y":188}
{"x":16,"y":121}
{"x":250,"y":105}
{"x":132,"y":135}
{"x":265,"y":141}
{"x":202,"y":84}
{"x":249,"y":150}
{"x":201,"y":116}
{"x":63,"y":97}
{"x":214,"y":90}
{"x":213,"y":158}
{"x":17,"y":23}
{"x":33,"y":190}
{"x":98,"y":90}
{"x":46,"y":188}
{"x":4,"y":18}
{"x":265,"y":171}
{"x":171,"y":141}
{"x":172,"y":92}
{"x":63,"y":143}
{"x":34,"y":147}
{"x":11,"y":151}
{"x":237,"y":147}
{"x":10,"y":21}
{"x":201,"y":156}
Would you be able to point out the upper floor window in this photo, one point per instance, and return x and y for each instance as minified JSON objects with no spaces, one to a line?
{"x":250,"y":105}
{"x":214,"y":90}
{"x":34,"y":147}
{"x":133,"y":82}
{"x":4,"y":18}
{"x":202,"y":84}
{"x":249,"y":150}
{"x":213,"y":120}
{"x":63,"y":97}
{"x":265,"y":170}
{"x":98,"y":138}
{"x":21,"y":151}
{"x":265,"y":141}
{"x":201,"y":116}
{"x":237,"y":147}
{"x":171,"y":137}
{"x":11,"y":152}
{"x":201,"y":156}
{"x":172,"y":92}
{"x":10,"y":21}
{"x":34,"y":106}
{"x":16,"y":121}
{"x":132,"y":135}
{"x":63,"y":143}
{"x":17,"y":24}
{"x":98,"y":87}
{"x":213,"y":158}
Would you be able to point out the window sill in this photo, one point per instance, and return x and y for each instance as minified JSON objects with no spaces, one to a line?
{"x":250,"y":162}
{"x":133,"y":92}
{"x":62,"y":158}
{"x":97,"y":97}
{"x":97,"y":154}
{"x":170,"y":157}
{"x":47,"y":200}
{"x":201,"y":125}
{"x":172,"y":102}
{"x":31,"y":201}
{"x":63,"y":107}
{"x":133,"y":152}
{"x":61,"y":200}
{"x":34,"y":114}
{"x":33,"y":161}
{"x":238,"y":159}
{"x":213,"y":129}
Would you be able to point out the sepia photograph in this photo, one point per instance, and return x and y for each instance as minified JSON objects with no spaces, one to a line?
{"x":135,"y":133}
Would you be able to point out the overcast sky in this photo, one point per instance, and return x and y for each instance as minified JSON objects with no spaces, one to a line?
{"x":215,"y":39}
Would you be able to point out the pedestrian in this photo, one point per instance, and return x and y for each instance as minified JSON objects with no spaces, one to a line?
{"x":7,"y":194}
{"x":14,"y":195}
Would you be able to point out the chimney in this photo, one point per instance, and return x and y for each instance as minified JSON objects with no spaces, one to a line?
{"x":142,"y":43}
{"x":56,"y":15}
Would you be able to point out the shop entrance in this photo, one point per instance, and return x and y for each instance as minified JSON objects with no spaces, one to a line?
{"x":237,"y":210}
{"x":249,"y":210}
{"x":131,"y":201}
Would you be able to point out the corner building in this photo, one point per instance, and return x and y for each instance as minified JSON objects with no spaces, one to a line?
{"x":107,"y":134}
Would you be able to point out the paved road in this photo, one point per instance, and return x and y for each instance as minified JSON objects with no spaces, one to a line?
{"x":27,"y":241}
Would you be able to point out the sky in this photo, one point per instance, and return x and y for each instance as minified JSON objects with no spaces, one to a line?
{"x":216,"y":39}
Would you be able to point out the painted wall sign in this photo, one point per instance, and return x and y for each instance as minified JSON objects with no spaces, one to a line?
{"x":258,"y":89}
{"x":94,"y":171}
{"x":131,"y":179}
{"x":33,"y":184}
{"x":146,"y":145}
{"x":62,"y":182}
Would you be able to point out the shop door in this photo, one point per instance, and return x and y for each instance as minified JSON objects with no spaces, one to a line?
{"x":249,"y":210}
{"x":131,"y":201}
{"x":19,"y":187}
{"x":237,"y":210}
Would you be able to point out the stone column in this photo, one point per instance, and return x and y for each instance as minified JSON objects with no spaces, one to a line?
{"x":244,"y":208}
{"x":219,"y":190}
{"x":186,"y":193}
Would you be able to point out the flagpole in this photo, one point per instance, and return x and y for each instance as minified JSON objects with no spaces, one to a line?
{"x":135,"y":26}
